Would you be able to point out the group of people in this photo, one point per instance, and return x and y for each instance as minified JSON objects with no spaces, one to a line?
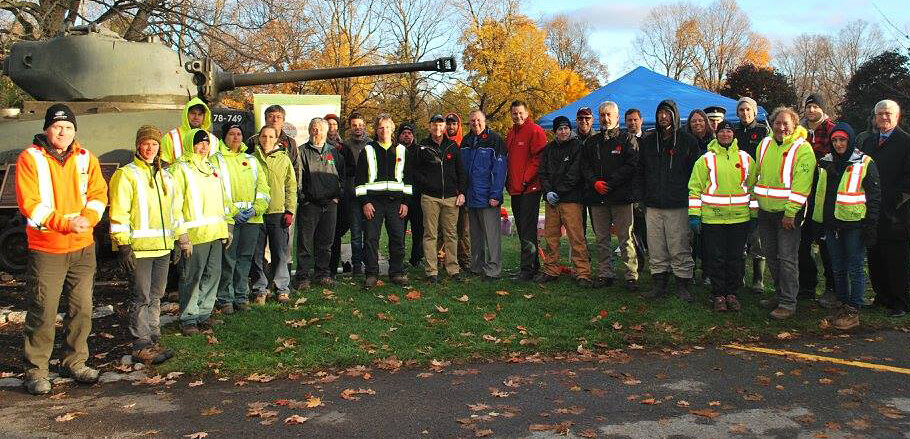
{"x":215,"y":205}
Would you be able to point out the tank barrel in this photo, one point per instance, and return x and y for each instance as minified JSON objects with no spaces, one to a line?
{"x":229,"y":81}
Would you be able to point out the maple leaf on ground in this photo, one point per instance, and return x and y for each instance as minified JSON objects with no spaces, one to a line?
{"x":313,"y":401}
{"x":212,"y":411}
{"x":859,"y":424}
{"x":707,"y":413}
{"x":682,"y":403}
{"x":478,"y":407}
{"x":441,"y":309}
{"x":260,"y":378}
{"x":498,"y":393}
{"x":649,"y":401}
{"x":588,"y":434}
{"x":69,"y":416}
{"x":739,"y":429}
{"x":714,"y":403}
{"x":211,"y":339}
{"x":463,"y":298}
{"x":413,"y":295}
{"x":617,"y":326}
{"x":489,"y":316}
{"x":392,"y":298}
{"x":195,"y":383}
{"x":295,"y":419}
{"x":56,"y":396}
{"x":197,"y":435}
{"x":483,"y":433}
{"x":174,"y":375}
{"x":351,"y":394}
{"x":502,"y":293}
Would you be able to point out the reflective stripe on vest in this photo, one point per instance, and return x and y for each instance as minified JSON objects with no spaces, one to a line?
{"x":46,"y":188}
{"x":372,"y":173}
{"x":226,"y":180}
{"x":194,"y":186}
{"x":144,"y":230}
{"x":786,"y":174}
{"x":852,"y":192}
{"x":711,"y":197}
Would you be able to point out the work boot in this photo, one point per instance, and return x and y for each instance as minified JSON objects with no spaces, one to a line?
{"x":733,"y":303}
{"x":848,"y":318}
{"x":585,"y":283}
{"x":683,"y":289}
{"x":370,"y":281}
{"x":758,"y":274}
{"x":768,"y":303}
{"x":543,"y":278}
{"x":84,"y":374}
{"x":38,"y":386}
{"x":603,"y":282}
{"x":658,"y":286}
{"x":152,"y":354}
{"x":302,"y":284}
{"x":189,"y":330}
{"x":327,"y":282}
{"x":259,"y":299}
{"x":209,"y":324}
{"x":400,"y":280}
{"x":781,"y":313}
{"x":226,"y":309}
{"x":283,"y":297}
{"x":720,"y":304}
{"x":245,"y":306}
{"x":632,"y":285}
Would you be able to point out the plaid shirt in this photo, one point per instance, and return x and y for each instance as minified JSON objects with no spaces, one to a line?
{"x":820,"y":137}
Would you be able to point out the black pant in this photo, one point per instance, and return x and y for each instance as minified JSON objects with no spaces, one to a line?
{"x":342,"y":224}
{"x":315,"y":235}
{"x":415,"y":219}
{"x":888,"y":263}
{"x":526,"y":209}
{"x":386,"y":210}
{"x":808,"y":270}
{"x":639,"y":235}
{"x":723,"y":255}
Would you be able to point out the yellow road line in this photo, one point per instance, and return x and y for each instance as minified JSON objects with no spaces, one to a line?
{"x":811,"y":357}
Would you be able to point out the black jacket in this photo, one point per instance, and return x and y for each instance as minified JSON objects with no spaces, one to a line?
{"x":560,"y":170}
{"x":438,"y":171}
{"x":321,"y":174}
{"x":893,"y":162}
{"x":666,"y":164}
{"x":871,"y":187}
{"x":612,"y":157}
{"x":749,"y":136}
{"x":386,"y":160}
{"x":344,"y":163}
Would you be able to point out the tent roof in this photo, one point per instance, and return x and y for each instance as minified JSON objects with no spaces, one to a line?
{"x":643,"y":88}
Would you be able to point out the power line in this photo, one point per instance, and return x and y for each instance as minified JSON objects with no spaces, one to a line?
{"x":893,"y":26}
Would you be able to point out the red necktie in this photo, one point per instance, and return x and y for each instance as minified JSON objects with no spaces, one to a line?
{"x":881,"y":140}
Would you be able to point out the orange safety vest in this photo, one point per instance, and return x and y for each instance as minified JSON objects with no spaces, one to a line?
{"x":49,"y":194}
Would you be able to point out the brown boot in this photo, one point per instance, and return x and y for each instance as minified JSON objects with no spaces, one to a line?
{"x":151,"y":355}
{"x":781,"y":314}
{"x":720,"y":304}
{"x":259,"y":299}
{"x":283,"y":298}
{"x":848,"y":318}
{"x":733,"y":302}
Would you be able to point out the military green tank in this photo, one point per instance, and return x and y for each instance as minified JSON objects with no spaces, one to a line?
{"x":114,"y":86}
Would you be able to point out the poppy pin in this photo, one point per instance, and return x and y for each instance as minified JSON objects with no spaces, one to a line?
{"x":398,"y":160}
{"x":754,"y":136}
{"x":215,"y":174}
{"x":671,"y":151}
{"x":82,"y":152}
{"x":483,"y":136}
{"x":245,"y":164}
{"x":329,"y":157}
{"x":449,"y":156}
{"x":618,"y":149}
{"x":738,"y":165}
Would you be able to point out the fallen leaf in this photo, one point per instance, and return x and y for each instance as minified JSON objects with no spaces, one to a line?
{"x":195,"y":383}
{"x":890,"y":412}
{"x":295,"y":419}
{"x":489,"y":316}
{"x":588,"y":434}
{"x":483,"y":433}
{"x":212,"y":411}
{"x":299,"y":302}
{"x":603,"y":314}
{"x":441,"y":309}
{"x":105,"y":335}
{"x":617,"y":326}
{"x":211,"y":339}
{"x":574,"y":410}
{"x":707,"y":413}
{"x":825,"y":381}
{"x":463,"y":298}
{"x":478,"y":407}
{"x":350,"y":394}
{"x":631,"y":381}
{"x":392,"y":298}
{"x":753,"y":397}
{"x":56,"y":396}
{"x":502,"y":293}
{"x":69,"y":416}
{"x":540,"y":427}
{"x":649,"y":401}
{"x":739,"y":429}
{"x":682,"y":403}
{"x":174,"y":375}
{"x":260,"y":378}
{"x":636,"y":346}
{"x":425,"y":374}
{"x":527,"y":296}
{"x":859,"y":424}
{"x":198,"y":435}
{"x":714,"y":403}
{"x":413,"y":295}
{"x":498,"y":393}
{"x":784,"y":336}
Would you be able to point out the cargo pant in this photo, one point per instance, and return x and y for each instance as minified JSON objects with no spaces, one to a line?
{"x":236,"y":260}
{"x":486,"y":241}
{"x":566,"y":215}
{"x":669,"y":243}
{"x":620,"y":216}
{"x":199,"y":282}
{"x":440,"y":214}
{"x":148,"y":282}
{"x":386,"y":212}
{"x":50,"y":274}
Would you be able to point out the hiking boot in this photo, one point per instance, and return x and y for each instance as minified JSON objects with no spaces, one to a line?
{"x":733,"y":303}
{"x":189,"y":330}
{"x":302,"y":284}
{"x":848,"y":318}
{"x":458,"y":277}
{"x":585,"y":283}
{"x":523,"y":276}
{"x":631,"y":285}
{"x":720,"y":304}
{"x":209,"y":324}
{"x":543,"y":278}
{"x":370,"y":281}
{"x":432,"y":279}
{"x":400,"y":280}
{"x":38,"y":386}
{"x":226,"y":309}
{"x":896,"y":313}
{"x":245,"y":306}
{"x":603,"y":282}
{"x":683,"y":289}
{"x":658,"y":286}
{"x":327,"y":282}
{"x":84,"y":374}
{"x":259,"y":299}
{"x":829,"y":301}
{"x":284,"y":297}
{"x":781,"y":313}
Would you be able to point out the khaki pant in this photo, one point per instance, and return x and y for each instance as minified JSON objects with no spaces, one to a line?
{"x":566,"y":215}
{"x":620,"y":216}
{"x":440,"y":214}
{"x":464,"y":237}
{"x":669,"y":242}
{"x":50,"y":274}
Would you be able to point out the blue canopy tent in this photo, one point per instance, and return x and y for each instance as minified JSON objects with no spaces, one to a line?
{"x":644,"y":89}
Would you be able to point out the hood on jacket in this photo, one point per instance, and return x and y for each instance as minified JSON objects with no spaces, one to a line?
{"x":668,"y":104}
{"x":459,"y":134}
{"x":843,"y":160}
{"x":709,"y":133}
{"x":206,"y":121}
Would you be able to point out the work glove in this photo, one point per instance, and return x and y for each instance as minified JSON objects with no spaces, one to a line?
{"x":287,"y":219}
{"x":127,"y":258}
{"x":695,"y":223}
{"x":230,"y":238}
{"x":243,"y":216}
{"x":186,"y":247}
{"x":601,"y":187}
{"x":552,"y":198}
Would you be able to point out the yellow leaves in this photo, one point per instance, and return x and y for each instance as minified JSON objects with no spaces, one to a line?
{"x":69,"y":416}
{"x":313,"y":401}
{"x":260,"y":378}
{"x":351,"y":394}
{"x":295,"y":420}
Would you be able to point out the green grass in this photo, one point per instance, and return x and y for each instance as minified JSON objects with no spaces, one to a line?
{"x":531,"y":318}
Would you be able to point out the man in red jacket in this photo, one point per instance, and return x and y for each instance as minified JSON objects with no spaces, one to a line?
{"x":524,"y":145}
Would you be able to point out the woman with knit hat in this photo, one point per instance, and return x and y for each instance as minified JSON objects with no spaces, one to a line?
{"x":205,"y":227}
{"x":144,"y":228}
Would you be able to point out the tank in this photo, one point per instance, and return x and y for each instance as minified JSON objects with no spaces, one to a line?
{"x":114,"y":86}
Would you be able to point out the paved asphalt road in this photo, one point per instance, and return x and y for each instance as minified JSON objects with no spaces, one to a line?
{"x":712,"y":392}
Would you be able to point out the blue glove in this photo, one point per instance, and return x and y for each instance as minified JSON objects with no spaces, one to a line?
{"x":244,"y":215}
{"x":695,"y":223}
{"x":552,"y":198}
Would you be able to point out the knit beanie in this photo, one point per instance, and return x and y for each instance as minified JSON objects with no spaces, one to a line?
{"x":816,"y":99}
{"x":58,"y":112}
{"x":724,"y":125}
{"x":561,"y":121}
{"x":147,"y":132}
{"x":750,"y":102}
{"x":200,"y":136}
{"x":230,"y":125}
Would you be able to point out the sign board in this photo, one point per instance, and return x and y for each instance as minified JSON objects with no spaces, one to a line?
{"x":300,"y":110}
{"x":220,"y":116}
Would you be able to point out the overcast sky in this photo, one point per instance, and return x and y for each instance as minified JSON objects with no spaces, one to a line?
{"x":615,"y":23}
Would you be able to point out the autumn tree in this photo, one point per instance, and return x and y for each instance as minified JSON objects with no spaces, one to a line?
{"x":886,"y":76}
{"x":768,"y":87}
{"x":724,"y":32}
{"x":568,"y":42}
{"x":668,"y":37}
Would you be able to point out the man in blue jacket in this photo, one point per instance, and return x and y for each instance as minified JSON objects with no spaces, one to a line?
{"x":483,"y":155}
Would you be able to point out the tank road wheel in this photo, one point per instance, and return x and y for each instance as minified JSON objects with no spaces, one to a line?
{"x":13,"y":250}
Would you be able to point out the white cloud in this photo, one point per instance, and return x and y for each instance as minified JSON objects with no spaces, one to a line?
{"x":613,"y":17}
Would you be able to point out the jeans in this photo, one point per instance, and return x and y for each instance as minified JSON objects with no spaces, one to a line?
{"x":234,"y":286}
{"x":356,"y":221}
{"x":723,"y":260}
{"x":848,"y":253}
{"x":199,"y":279}
{"x":781,"y":248}
{"x":148,"y":282}
{"x":277,"y":237}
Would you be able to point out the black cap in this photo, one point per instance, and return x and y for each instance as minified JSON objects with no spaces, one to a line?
{"x":437,"y":118}
{"x":715,"y":111}
{"x":228,"y":126}
{"x":200,"y":136}
{"x":724,"y":125}
{"x":561,"y":121}
{"x":406,"y":126}
{"x":58,"y":112}
{"x":815,"y":98}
